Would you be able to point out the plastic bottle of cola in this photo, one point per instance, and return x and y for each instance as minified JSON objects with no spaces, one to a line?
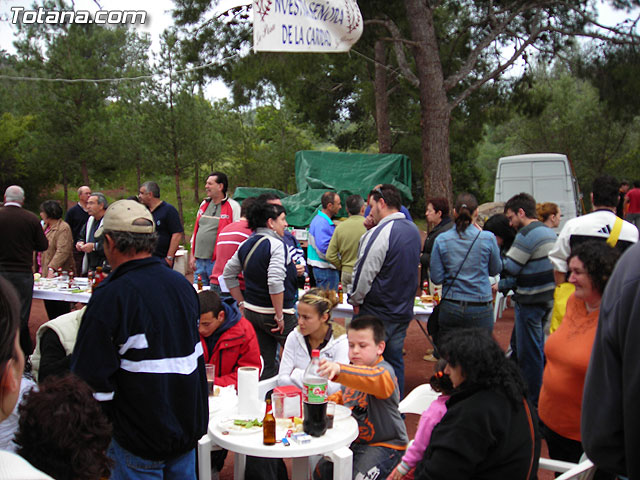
{"x":314,"y":397}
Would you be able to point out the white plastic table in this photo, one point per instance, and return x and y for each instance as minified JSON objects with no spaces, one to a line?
{"x":333,"y":444}
{"x":345,"y":310}
{"x":60,"y":295}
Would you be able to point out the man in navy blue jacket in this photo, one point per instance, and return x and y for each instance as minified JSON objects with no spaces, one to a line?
{"x":138,"y":347}
{"x":385,"y":276}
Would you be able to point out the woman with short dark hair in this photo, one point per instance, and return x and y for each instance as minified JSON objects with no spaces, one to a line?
{"x":60,"y":251}
{"x":568,"y":350}
{"x":58,"y":232}
{"x":490,"y":429}
{"x":437,"y":215}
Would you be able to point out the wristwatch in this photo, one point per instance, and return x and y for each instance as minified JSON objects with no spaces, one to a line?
{"x":169,"y":257}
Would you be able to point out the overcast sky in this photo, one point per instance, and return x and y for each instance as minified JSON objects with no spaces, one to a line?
{"x":159,"y":18}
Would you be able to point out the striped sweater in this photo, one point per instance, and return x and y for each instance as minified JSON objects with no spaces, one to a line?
{"x":371,"y":392}
{"x":528,"y":260}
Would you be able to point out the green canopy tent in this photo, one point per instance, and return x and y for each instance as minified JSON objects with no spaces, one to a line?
{"x":344,"y":173}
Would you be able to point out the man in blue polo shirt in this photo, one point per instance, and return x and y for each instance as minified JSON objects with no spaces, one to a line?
{"x":167,"y":220}
{"x":320,"y":233}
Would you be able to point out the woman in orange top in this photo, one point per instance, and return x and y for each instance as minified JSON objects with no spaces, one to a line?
{"x":568,"y":350}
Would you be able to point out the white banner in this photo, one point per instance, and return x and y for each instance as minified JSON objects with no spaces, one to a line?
{"x":306,"y":25}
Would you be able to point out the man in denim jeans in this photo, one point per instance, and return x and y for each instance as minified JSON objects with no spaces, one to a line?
{"x":139,"y":349}
{"x":385,"y":276}
{"x":528,"y":261}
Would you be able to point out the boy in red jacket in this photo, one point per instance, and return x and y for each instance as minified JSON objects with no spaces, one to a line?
{"x":228,"y":339}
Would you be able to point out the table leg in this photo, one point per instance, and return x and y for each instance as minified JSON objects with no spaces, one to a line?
{"x":300,"y":468}
{"x":342,"y":459}
{"x":204,"y":458}
{"x":239,"y":465}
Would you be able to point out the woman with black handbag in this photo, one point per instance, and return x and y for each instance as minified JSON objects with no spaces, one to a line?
{"x":462,"y":260}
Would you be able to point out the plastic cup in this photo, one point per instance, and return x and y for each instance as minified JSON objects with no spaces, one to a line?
{"x":277,"y":400}
{"x":211,"y":374}
{"x":331,"y":411}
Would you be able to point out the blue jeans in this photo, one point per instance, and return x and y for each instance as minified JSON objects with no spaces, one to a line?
{"x":456,"y":316}
{"x":368,"y":462}
{"x":530,"y":345}
{"x":128,"y":466}
{"x":395,"y":334}
{"x":204,"y":267}
{"x":221,"y":294}
{"x":326,"y":278}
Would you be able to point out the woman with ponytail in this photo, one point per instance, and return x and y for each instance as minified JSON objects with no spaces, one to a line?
{"x":315,"y":330}
{"x":462,"y":260}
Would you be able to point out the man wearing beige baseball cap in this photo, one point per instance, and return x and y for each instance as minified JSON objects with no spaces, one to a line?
{"x":138,"y":347}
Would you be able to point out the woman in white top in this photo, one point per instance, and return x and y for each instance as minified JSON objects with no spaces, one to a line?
{"x":314,"y":331}
{"x":11,"y":368}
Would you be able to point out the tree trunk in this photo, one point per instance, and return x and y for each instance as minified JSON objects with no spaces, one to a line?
{"x":138,"y":171}
{"x":177,"y":179}
{"x":196,"y":182}
{"x":65,"y":186}
{"x":382,"y":99}
{"x":435,"y":112}
{"x":85,"y":171}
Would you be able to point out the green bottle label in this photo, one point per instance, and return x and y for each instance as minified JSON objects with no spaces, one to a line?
{"x":314,"y":393}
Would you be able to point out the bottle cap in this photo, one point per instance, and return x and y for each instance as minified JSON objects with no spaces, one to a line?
{"x":315,"y":353}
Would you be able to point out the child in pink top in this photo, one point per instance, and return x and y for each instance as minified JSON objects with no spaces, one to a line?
{"x":440,"y":382}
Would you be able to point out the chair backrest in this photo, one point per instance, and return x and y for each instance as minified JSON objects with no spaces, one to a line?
{"x":582,"y":471}
{"x":418,"y":400}
{"x":265,"y":386}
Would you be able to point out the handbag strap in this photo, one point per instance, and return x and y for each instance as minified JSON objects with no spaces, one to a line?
{"x":533,"y":438}
{"x":253,"y":249}
{"x":459,"y":269}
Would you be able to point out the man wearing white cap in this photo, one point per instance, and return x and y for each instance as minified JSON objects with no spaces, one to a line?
{"x":138,"y":347}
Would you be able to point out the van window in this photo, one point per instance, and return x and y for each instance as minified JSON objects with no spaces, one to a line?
{"x":512,"y":170}
{"x":548,"y":169}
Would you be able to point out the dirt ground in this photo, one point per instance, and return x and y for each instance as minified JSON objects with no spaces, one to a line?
{"x":417,"y":370}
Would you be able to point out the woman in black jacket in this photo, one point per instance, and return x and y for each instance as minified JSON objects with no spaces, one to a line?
{"x":437,"y":215}
{"x":489,"y":430}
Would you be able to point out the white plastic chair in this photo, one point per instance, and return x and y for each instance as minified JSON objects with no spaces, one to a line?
{"x":585,"y":470}
{"x":500,"y":304}
{"x":418,"y":400}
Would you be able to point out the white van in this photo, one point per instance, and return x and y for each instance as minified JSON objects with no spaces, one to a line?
{"x":546,"y":176}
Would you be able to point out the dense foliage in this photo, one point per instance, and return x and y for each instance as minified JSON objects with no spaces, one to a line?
{"x":578,"y":100}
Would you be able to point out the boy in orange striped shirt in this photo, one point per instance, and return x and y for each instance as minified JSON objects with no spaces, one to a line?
{"x":370,"y":390}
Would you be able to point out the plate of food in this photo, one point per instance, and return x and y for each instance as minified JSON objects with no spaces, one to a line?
{"x":342,"y":412}
{"x":294,"y":424}
{"x":240,"y":424}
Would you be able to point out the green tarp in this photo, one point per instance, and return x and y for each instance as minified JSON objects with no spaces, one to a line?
{"x":352,"y":172}
{"x":343,"y":173}
{"x":240,"y":193}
